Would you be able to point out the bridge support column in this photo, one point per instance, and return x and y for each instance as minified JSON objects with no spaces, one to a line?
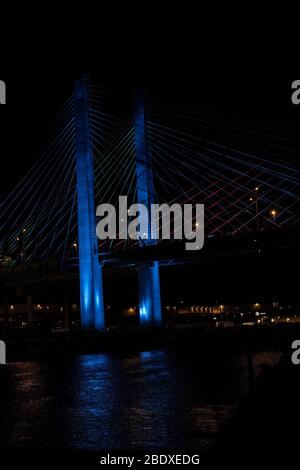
{"x":91,"y":288}
{"x":149,"y":283}
{"x":149,"y":293}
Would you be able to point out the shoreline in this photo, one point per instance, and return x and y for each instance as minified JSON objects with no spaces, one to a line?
{"x":26,"y":346}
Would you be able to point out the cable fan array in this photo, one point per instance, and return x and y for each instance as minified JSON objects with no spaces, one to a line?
{"x":244,"y":169}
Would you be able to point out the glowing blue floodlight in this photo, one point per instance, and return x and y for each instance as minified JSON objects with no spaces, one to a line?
{"x":149,"y":285}
{"x":91,"y":290}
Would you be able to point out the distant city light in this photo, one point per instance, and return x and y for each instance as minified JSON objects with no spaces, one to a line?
{"x":274,"y":213}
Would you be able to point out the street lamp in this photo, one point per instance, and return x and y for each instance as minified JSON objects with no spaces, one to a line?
{"x":274,"y":214}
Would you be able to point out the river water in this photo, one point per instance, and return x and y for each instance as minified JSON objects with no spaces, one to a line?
{"x":151,"y":400}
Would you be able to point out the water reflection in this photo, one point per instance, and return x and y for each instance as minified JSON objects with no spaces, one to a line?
{"x":152,"y":400}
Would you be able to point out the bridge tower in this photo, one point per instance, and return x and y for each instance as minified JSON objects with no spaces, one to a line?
{"x":149,"y":282}
{"x":90,"y":271}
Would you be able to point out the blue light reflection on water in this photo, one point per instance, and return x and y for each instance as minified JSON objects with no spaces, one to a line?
{"x":150,"y":400}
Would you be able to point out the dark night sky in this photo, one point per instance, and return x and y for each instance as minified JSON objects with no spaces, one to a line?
{"x":238,"y":75}
{"x":235,"y":80}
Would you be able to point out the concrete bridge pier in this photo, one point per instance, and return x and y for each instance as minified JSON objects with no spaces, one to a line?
{"x":149,"y":283}
{"x":90,"y":271}
{"x":149,"y":294}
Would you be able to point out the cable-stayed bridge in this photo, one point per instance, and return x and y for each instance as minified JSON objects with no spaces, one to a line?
{"x":151,"y":149}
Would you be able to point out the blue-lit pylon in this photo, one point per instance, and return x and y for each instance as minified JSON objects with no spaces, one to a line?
{"x":91,"y":285}
{"x":149,"y":283}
